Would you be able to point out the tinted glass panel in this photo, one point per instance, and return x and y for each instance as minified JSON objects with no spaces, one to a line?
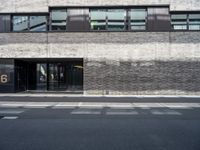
{"x":20,"y":23}
{"x":20,"y":75}
{"x":4,"y":23}
{"x":194,"y":22}
{"x":116,"y":19}
{"x":38,"y":23}
{"x":59,"y":19}
{"x":158,"y":19}
{"x":179,"y":21}
{"x":41,"y":76}
{"x":98,"y":19}
{"x":138,"y":19}
{"x":78,"y":20}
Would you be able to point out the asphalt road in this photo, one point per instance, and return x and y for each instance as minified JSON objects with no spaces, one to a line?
{"x":107,"y":127}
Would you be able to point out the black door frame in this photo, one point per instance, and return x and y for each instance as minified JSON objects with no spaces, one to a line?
{"x":47,"y":62}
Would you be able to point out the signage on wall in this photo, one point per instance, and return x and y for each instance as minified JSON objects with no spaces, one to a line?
{"x":3,"y":78}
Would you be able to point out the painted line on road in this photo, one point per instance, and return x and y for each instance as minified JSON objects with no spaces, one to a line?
{"x":10,"y":117}
{"x":121,"y":112}
{"x":9,"y":111}
{"x":82,"y":111}
{"x":165,"y":112}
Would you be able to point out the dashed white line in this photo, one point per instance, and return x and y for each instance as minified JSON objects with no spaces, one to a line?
{"x":10,"y":117}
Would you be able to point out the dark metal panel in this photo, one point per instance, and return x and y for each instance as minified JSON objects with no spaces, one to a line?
{"x":158,"y":19}
{"x":78,"y":20}
{"x":6,"y":75}
{"x":5,"y":23}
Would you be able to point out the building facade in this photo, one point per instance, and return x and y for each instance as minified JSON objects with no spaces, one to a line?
{"x":100,"y":47}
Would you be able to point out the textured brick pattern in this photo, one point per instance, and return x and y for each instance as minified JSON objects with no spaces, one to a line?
{"x":142,"y":77}
{"x":42,"y":5}
{"x":20,"y":45}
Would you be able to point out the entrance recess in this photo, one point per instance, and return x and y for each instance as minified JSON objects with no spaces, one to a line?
{"x":50,"y":75}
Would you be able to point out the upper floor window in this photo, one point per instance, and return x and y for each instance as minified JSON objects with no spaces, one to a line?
{"x":107,"y":19}
{"x":98,"y":19}
{"x":138,"y":19}
{"x":20,"y":23}
{"x":194,"y":21}
{"x":179,"y":21}
{"x":141,"y":18}
{"x":29,"y":23}
{"x":38,"y":23}
{"x":59,"y":19}
{"x":116,"y":19}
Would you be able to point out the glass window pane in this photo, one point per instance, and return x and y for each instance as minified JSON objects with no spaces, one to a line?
{"x":59,"y":19}
{"x":38,"y":23}
{"x":138,"y":19}
{"x":116,"y":19}
{"x":98,"y":19}
{"x":194,"y":21}
{"x":4,"y":23}
{"x":179,"y":21}
{"x":41,"y":76}
{"x":20,"y":23}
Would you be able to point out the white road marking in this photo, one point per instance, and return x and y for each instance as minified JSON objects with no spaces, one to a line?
{"x":91,"y":105}
{"x":121,"y":112}
{"x":9,"y":111}
{"x":63,"y":105}
{"x":119,"y":105}
{"x":11,"y":105}
{"x":10,"y":117}
{"x":165,"y":112}
{"x":82,"y":111}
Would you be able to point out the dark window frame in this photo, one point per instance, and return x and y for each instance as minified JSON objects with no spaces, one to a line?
{"x":127,"y":22}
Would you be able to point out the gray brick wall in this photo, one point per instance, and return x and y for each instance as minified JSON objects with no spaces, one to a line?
{"x":142,"y":77}
{"x":119,"y":62}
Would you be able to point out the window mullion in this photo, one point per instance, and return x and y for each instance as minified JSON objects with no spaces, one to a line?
{"x":106,"y":19}
{"x":28,"y":22}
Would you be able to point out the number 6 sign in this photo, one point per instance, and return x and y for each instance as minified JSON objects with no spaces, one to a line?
{"x":4,"y":78}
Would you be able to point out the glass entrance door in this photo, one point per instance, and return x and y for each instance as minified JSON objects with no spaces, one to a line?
{"x":57,"y":77}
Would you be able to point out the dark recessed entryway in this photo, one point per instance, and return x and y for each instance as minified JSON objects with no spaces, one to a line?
{"x":63,"y":75}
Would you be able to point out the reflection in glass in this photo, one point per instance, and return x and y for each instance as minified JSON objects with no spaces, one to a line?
{"x":57,"y":77}
{"x":41,"y":76}
{"x":58,"y":19}
{"x":179,"y":21}
{"x":38,"y":23}
{"x":138,"y":19}
{"x":20,"y":23}
{"x":116,"y":19}
{"x":98,"y":19}
{"x":194,"y":21}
